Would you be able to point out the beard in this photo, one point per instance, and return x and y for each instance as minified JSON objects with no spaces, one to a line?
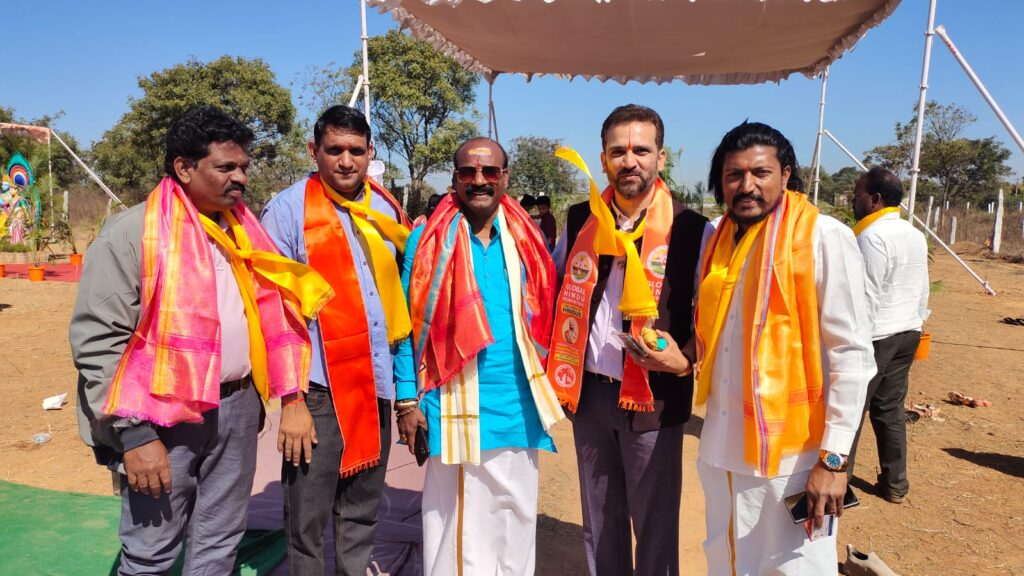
{"x":748,"y":219}
{"x":634,"y":188}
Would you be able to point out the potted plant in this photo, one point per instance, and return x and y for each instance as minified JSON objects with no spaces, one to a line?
{"x":63,"y":233}
{"x":39,"y":242}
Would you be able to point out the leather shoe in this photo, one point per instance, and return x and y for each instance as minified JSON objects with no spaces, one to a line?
{"x":861,"y":564}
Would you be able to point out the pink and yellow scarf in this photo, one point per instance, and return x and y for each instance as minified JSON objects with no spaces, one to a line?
{"x":170,"y":370}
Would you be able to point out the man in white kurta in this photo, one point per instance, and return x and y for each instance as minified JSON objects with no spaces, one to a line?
{"x":749,"y":528}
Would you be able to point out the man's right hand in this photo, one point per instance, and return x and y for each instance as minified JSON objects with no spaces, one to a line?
{"x":148,"y":468}
{"x":407,"y":426}
{"x":297,"y":434}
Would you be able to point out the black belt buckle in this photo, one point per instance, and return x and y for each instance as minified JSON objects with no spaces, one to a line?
{"x":229,"y":388}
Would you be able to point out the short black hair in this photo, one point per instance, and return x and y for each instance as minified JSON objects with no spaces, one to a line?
{"x":544,"y":201}
{"x":745,"y":136}
{"x":344,"y":118}
{"x":883,"y":182}
{"x":634,"y":113}
{"x":455,"y":157}
{"x":191,"y":134}
{"x":527,"y":201}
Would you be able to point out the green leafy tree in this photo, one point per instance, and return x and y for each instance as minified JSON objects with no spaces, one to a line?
{"x":418,"y":105}
{"x":958,"y":167}
{"x":130,"y":154}
{"x":534,"y":169}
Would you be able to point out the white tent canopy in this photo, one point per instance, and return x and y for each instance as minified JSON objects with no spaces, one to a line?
{"x":695,"y":41}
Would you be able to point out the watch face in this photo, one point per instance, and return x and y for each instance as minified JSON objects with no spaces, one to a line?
{"x":833,"y":460}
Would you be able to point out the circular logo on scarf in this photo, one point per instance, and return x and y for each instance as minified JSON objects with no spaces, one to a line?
{"x":565,"y":376}
{"x":656,"y":261}
{"x":581,"y":267}
{"x":570,"y":330}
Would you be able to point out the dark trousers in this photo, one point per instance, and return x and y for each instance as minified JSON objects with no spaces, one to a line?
{"x":212,"y":469}
{"x":314,"y":492}
{"x":627,"y":480}
{"x":887,"y":392}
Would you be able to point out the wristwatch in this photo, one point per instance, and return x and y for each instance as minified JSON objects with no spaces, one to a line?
{"x":833,"y":461}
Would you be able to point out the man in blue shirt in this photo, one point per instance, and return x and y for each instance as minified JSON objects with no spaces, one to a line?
{"x":481,"y":286}
{"x":335,"y":439}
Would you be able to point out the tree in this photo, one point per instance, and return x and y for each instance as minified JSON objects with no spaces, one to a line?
{"x":418,"y":101}
{"x":958,"y":166}
{"x":130,"y":154}
{"x":534,"y":169}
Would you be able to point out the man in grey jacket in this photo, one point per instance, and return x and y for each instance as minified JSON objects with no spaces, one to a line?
{"x":188,"y":476}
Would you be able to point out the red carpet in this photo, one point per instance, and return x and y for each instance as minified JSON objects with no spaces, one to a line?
{"x":54,"y":272}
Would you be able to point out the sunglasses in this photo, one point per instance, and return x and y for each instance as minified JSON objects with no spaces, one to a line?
{"x":466,"y":174}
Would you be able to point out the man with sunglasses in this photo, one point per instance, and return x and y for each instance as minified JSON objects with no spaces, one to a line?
{"x":630,"y":257}
{"x":480,"y":284}
{"x":335,"y":438}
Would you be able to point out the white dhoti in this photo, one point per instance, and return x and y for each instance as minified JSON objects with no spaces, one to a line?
{"x":750,"y":531}
{"x":481,"y":519}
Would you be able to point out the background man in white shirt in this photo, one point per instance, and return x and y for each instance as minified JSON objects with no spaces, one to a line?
{"x":896,"y":283}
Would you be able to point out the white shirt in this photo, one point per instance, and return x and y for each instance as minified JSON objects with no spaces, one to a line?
{"x":895,"y":275}
{"x":847,"y":359}
{"x":604,"y":349}
{"x":234,"y":330}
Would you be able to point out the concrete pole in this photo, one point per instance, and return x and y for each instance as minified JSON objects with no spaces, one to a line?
{"x":928,"y":215}
{"x":997,"y":228}
{"x":968,"y":208}
{"x":952,"y":232}
{"x":65,"y":208}
{"x":937,"y":224}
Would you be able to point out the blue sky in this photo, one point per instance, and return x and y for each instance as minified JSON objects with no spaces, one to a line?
{"x":84,"y":58}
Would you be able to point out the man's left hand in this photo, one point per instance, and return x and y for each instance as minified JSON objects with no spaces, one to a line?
{"x":670,"y":360}
{"x":825,"y":492}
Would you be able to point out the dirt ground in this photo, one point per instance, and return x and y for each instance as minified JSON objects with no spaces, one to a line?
{"x":963,"y":515}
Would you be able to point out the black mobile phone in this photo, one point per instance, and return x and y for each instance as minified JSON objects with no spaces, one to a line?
{"x":630,"y":342}
{"x":422,"y":448}
{"x":797,"y":504}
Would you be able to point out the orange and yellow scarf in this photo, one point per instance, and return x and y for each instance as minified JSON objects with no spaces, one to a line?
{"x":343,"y":327}
{"x":170,"y":370}
{"x":450,"y":325}
{"x":783,"y":402}
{"x":641,"y":289}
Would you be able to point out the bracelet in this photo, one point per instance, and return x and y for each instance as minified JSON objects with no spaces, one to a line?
{"x":405,"y":403}
{"x":295,"y":399}
{"x":689,"y":370}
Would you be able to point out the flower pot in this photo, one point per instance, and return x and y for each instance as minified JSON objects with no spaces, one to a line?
{"x":922,"y":348}
{"x":1,"y":270}
{"x":76,"y":259}
{"x":36,"y":273}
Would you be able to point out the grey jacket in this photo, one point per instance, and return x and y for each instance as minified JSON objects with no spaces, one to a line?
{"x":104,"y":318}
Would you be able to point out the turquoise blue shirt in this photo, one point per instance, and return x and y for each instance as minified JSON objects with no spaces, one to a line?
{"x":508,"y":415}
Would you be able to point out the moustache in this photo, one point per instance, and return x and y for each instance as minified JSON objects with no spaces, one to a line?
{"x":749,"y":196}
{"x":234,"y":187}
{"x":489,"y":190}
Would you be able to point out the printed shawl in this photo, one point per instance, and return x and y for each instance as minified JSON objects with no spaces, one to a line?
{"x":170,"y":370}
{"x":450,"y":325}
{"x":783,"y":402}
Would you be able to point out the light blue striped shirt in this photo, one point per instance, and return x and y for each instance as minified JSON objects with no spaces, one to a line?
{"x":283,"y":218}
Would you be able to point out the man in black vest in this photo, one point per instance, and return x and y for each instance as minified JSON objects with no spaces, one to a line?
{"x":629,"y":409}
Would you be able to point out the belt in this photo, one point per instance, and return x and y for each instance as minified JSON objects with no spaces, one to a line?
{"x":232,"y":386}
{"x":601,"y":378}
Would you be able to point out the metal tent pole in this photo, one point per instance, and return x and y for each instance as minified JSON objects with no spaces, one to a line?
{"x":915,"y":165}
{"x":941,"y":31}
{"x":984,"y":283}
{"x":89,"y":171}
{"x":816,"y":163}
{"x":366,"y":64}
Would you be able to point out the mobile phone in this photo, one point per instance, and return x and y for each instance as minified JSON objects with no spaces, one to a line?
{"x":422,"y":447}
{"x":632,"y":344}
{"x":797,"y":504}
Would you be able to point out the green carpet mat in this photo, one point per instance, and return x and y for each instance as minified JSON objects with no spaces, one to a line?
{"x":43,"y":532}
